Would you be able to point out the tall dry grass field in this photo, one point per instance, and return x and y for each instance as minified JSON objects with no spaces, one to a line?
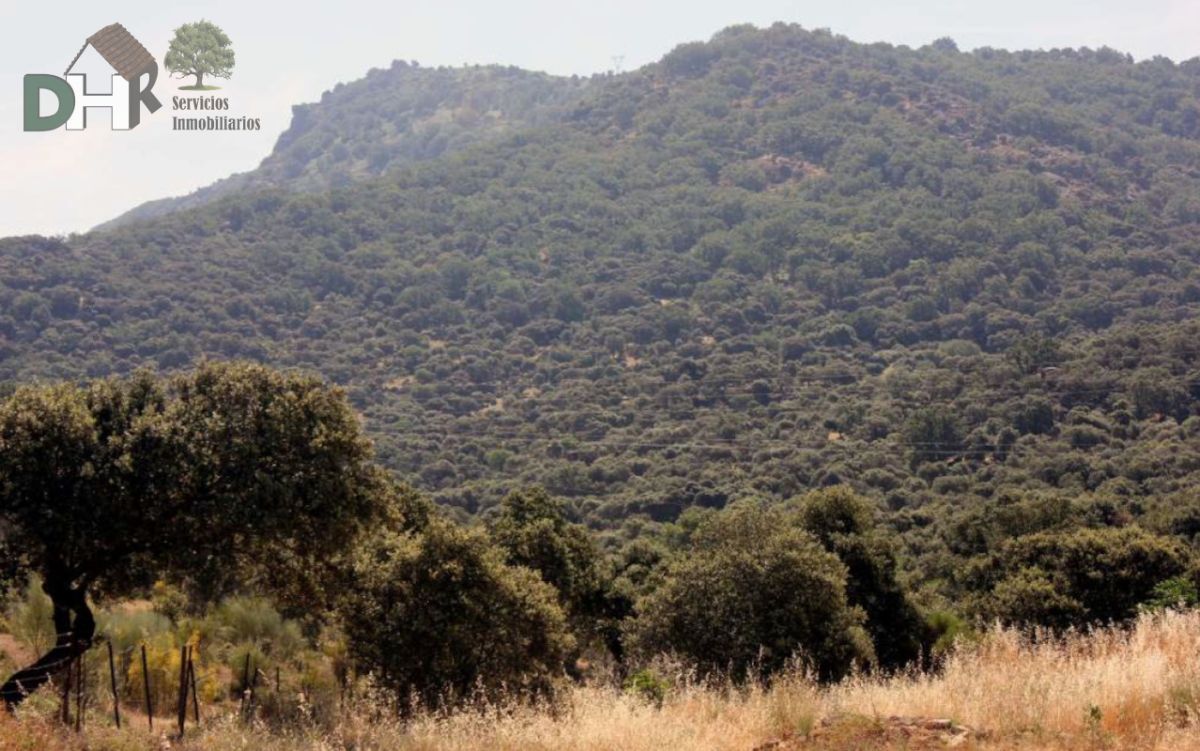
{"x":1111,"y":689}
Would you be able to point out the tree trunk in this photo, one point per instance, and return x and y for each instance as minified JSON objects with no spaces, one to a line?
{"x":199,"y":79}
{"x":73,"y":637}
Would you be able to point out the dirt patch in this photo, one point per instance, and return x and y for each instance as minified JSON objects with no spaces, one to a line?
{"x":399,"y":384}
{"x":495,"y":407}
{"x":855,"y":732}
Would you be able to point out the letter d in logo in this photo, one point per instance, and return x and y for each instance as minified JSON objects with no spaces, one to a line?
{"x":35,"y":84}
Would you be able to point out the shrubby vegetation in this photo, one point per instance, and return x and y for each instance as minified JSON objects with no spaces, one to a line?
{"x":954,"y":293}
{"x":437,"y":614}
{"x":1091,"y":576}
{"x":844,"y":524}
{"x":439,"y":618}
{"x":754,"y":593}
{"x":533,"y":531}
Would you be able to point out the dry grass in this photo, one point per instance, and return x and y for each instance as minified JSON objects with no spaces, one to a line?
{"x":1112,"y":689}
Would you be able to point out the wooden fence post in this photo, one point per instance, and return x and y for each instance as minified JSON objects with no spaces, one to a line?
{"x":146,"y":688}
{"x":79,"y":688}
{"x":245,"y":685}
{"x":253,"y":691}
{"x":112,"y":678}
{"x":181,"y":707}
{"x":66,"y":694}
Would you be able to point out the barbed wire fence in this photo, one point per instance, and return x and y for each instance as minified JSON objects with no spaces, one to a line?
{"x":75,"y":697}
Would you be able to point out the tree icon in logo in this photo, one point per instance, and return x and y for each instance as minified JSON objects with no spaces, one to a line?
{"x":200,"y":49}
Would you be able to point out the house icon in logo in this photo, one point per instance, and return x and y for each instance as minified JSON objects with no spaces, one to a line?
{"x":112,"y":71}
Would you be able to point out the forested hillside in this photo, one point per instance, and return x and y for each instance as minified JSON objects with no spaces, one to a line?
{"x":389,"y":118}
{"x":965,"y":284}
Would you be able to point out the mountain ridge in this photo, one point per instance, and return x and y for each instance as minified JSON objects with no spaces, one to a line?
{"x":391,"y":117}
{"x":965,"y":284}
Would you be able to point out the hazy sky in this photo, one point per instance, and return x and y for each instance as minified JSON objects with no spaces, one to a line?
{"x":60,"y":182}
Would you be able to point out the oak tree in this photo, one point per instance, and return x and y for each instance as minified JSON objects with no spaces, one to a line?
{"x":230,"y":473}
{"x":754,"y":593}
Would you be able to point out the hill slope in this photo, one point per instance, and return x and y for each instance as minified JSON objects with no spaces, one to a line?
{"x":965,"y":284}
{"x":388,"y":119}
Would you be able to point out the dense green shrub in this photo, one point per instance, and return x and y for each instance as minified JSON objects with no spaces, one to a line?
{"x":754,"y":593}
{"x":844,"y":523}
{"x":1077,"y":577}
{"x":439,"y":618}
{"x":533,"y":532}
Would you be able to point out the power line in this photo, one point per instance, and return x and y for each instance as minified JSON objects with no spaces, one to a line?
{"x":716,"y":443}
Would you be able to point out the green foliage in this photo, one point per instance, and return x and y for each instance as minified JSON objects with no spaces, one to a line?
{"x":127,"y":628}
{"x":935,"y":434}
{"x":949,"y":630}
{"x":836,"y":513}
{"x":533,"y":531}
{"x":439,"y":618}
{"x":690,"y":60}
{"x":1060,"y":579}
{"x":1031,"y":353}
{"x":28,"y":616}
{"x":253,"y":620}
{"x":391,"y":118}
{"x":1176,"y":592}
{"x":257,"y":466}
{"x":1154,"y":392}
{"x":1031,"y":596}
{"x":1034,"y":415}
{"x":962,"y":284}
{"x":169,"y":601}
{"x":843,"y":522}
{"x":754,"y":593}
{"x":646,"y":301}
{"x":648,"y":685}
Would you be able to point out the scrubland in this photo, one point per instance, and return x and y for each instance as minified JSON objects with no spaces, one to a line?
{"x":1130,"y":688}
